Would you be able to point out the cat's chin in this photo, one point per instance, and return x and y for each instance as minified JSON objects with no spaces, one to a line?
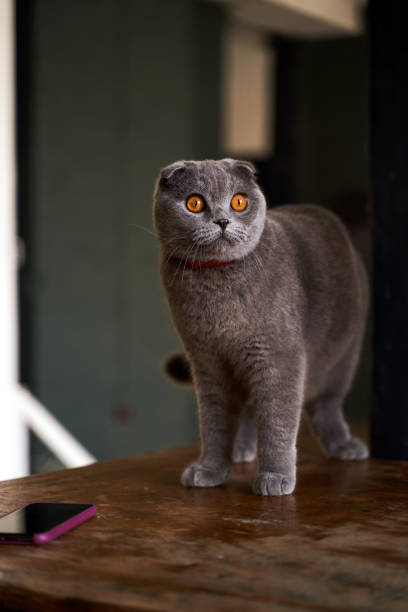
{"x":224,"y":250}
{"x":222,"y":253}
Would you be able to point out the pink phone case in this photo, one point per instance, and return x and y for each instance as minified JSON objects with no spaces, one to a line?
{"x":43,"y":538}
{"x":47,"y":536}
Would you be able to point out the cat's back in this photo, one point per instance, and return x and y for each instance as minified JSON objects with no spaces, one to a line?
{"x":327,"y":266}
{"x":319,"y":238}
{"x":310,"y":221}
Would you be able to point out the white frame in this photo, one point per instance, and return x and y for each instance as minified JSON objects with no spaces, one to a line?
{"x":19,"y":410}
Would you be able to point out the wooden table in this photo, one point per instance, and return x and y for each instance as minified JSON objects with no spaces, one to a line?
{"x":339,"y":543}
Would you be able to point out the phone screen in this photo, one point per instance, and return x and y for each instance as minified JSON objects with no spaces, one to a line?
{"x":37,"y":518}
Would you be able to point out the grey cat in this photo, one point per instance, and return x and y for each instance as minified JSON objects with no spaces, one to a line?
{"x":270,"y":307}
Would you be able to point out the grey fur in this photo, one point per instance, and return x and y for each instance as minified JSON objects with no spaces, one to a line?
{"x":277,"y":329}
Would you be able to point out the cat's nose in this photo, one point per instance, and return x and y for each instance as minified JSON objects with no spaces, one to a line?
{"x":222,"y":223}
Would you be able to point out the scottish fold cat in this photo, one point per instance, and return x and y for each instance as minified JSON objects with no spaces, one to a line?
{"x":270,"y":307}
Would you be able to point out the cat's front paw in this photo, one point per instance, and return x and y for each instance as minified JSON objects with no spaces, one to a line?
{"x":196,"y":475}
{"x":272,"y":483}
{"x":351,"y":449}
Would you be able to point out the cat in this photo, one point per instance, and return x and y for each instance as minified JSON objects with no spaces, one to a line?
{"x":270,"y":307}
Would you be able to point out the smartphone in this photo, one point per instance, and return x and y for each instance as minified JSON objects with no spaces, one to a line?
{"x":39,"y":523}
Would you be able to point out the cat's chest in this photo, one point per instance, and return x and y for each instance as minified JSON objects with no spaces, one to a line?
{"x":206,"y":306}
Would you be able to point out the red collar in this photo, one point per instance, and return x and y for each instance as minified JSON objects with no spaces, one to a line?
{"x":198,"y":265}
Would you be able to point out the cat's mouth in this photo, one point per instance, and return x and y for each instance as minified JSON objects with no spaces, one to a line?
{"x":223,"y":235}
{"x":209,"y":243}
{"x":231,"y":238}
{"x":216,"y":243}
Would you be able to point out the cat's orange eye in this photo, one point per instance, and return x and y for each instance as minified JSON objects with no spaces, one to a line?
{"x":195,"y":203}
{"x":239,"y":202}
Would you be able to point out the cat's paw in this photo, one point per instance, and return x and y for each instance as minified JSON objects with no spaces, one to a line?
{"x":196,"y":475}
{"x":352,"y":449}
{"x":272,"y":483}
{"x":243,"y":454}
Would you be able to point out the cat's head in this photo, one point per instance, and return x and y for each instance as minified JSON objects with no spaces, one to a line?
{"x":208,"y":210}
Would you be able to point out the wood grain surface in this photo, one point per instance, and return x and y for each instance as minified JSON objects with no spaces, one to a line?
{"x":338,"y":543}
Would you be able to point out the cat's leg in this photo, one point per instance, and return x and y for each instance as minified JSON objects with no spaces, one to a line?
{"x":326,"y":411}
{"x":326,"y":417}
{"x":218,"y":423}
{"x":278,"y":396}
{"x":245,"y":441}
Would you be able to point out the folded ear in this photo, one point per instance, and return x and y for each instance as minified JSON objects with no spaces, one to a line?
{"x":240,"y":164}
{"x":167,"y":172}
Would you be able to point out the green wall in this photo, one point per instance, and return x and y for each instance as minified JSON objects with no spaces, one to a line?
{"x":117,"y":90}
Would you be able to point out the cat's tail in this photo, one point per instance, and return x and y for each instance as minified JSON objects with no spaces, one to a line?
{"x":178,"y":368}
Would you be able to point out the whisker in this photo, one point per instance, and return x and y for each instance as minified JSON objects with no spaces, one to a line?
{"x":196,"y":252}
{"x":260,"y":265}
{"x":170,"y":254}
{"x":176,"y":243}
{"x":179,"y":264}
{"x":185,"y":262}
{"x":143,"y":228}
